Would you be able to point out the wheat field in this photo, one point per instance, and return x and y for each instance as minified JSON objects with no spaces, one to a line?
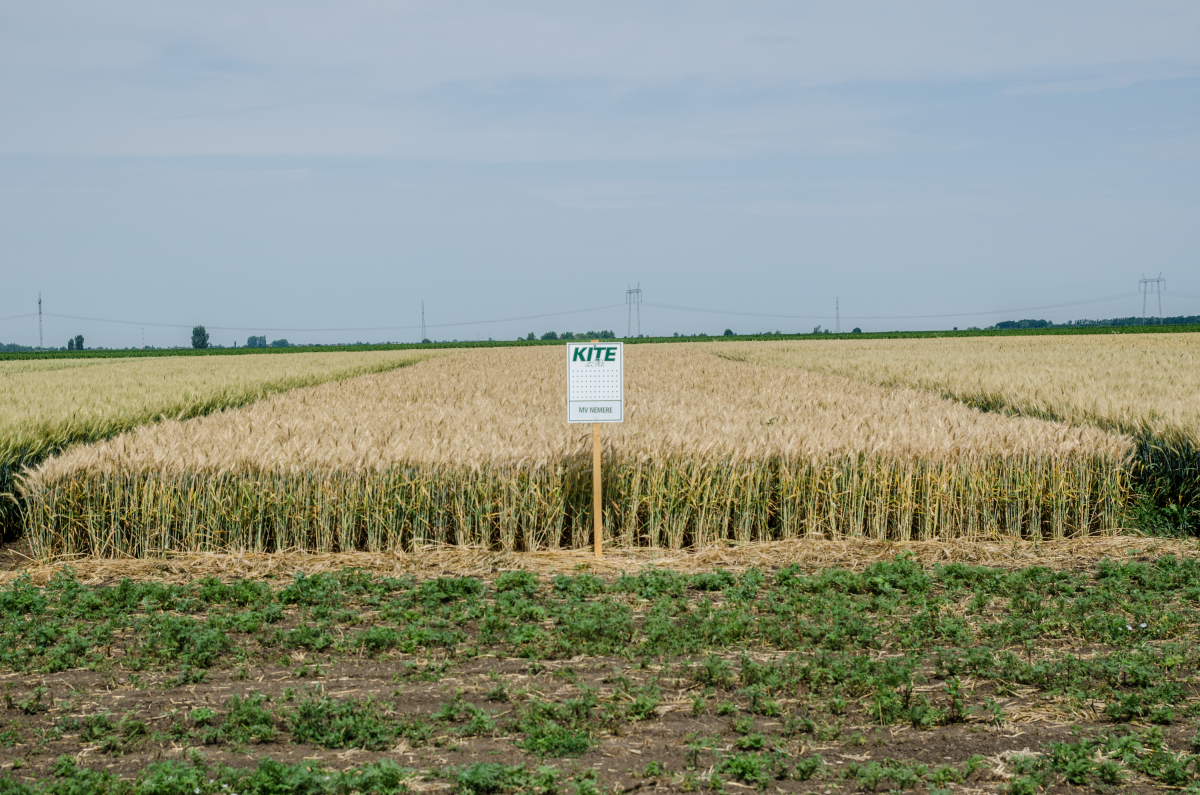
{"x":48,"y":404}
{"x":1146,"y":386}
{"x":473,"y":449}
{"x":1125,"y":382}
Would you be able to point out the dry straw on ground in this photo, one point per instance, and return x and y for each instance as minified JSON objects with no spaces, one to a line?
{"x":810,"y":554}
{"x":473,"y":449}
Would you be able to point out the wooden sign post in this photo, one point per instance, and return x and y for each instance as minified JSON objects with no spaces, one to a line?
{"x":596,"y":394}
{"x":597,"y":493}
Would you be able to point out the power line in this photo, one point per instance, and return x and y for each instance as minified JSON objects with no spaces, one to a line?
{"x":364,"y":328}
{"x":633,"y":297}
{"x":892,"y":317}
{"x":1144,"y":287}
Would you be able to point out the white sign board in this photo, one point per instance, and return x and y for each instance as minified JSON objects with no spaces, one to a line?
{"x":595,"y":382}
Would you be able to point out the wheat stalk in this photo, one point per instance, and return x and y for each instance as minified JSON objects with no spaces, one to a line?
{"x":473,"y":449}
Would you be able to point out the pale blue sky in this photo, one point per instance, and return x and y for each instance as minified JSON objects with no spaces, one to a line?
{"x":288,"y":165}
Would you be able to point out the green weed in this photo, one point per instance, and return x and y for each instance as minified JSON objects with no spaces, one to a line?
{"x":245,"y":720}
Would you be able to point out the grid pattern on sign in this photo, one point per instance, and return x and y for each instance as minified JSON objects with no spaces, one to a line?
{"x":595,"y":383}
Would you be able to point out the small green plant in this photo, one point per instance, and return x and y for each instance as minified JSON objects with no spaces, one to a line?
{"x":750,"y":742}
{"x":488,"y":778}
{"x":806,"y":768}
{"x":756,"y":769}
{"x":329,"y":723}
{"x":1025,"y":785}
{"x":187,"y":676}
{"x":31,"y":704}
{"x":557,"y":730}
{"x":1163,"y":716}
{"x":1109,"y":772}
{"x":245,"y":720}
{"x":696,"y":749}
{"x":11,"y":736}
{"x":653,"y":770}
{"x":713,"y":672}
{"x":644,"y":704}
{"x":941,"y":776}
{"x":991,"y":711}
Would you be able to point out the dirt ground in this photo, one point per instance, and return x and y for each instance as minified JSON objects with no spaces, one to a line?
{"x":620,"y":759}
{"x":673,"y":734}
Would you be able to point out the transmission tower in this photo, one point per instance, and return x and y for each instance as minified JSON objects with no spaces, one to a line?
{"x":837,"y":316}
{"x":422,"y":320}
{"x":40,"y":344}
{"x":1146,"y":286}
{"x":633,"y":298}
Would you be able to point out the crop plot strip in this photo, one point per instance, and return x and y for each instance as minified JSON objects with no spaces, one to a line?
{"x":473,"y":450}
{"x":48,"y":405}
{"x":1144,"y":386}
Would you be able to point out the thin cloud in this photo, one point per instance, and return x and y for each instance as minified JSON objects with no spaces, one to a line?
{"x":1089,"y":85}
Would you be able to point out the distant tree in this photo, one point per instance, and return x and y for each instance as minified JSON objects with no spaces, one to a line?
{"x":857,"y":330}
{"x":1024,"y":324}
{"x":71,"y":344}
{"x":817,"y":330}
{"x":728,"y":332}
{"x":78,"y":342}
{"x":425,"y":341}
{"x":284,"y":344}
{"x":256,"y":342}
{"x":531,"y":336}
{"x":567,"y":335}
{"x":550,"y":335}
{"x":199,"y":337}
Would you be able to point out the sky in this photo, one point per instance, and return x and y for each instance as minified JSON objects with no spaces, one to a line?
{"x":315,"y":171}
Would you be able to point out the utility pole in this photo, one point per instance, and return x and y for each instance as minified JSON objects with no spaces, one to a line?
{"x":633,"y":297}
{"x":422,"y":320}
{"x":40,"y":342}
{"x":837,"y":316}
{"x":1145,"y":286}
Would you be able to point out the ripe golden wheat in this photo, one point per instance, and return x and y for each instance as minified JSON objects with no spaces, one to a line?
{"x":48,"y":404}
{"x":474,"y":449}
{"x":1130,"y":383}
